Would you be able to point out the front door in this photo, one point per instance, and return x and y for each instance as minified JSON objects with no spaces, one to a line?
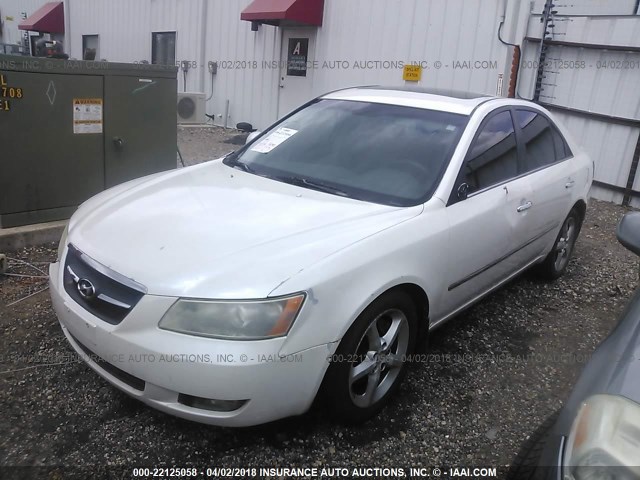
{"x":479,"y":234}
{"x":296,"y":69}
{"x":480,"y":225}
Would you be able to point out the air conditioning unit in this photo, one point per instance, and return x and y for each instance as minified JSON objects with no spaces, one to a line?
{"x":191,"y":108}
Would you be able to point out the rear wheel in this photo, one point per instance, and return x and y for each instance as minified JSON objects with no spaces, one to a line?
{"x":369,"y":363}
{"x":555,"y":264}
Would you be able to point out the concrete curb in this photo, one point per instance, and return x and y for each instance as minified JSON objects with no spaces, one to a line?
{"x":15,"y":238}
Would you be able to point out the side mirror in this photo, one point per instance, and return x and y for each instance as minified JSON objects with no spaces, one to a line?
{"x":251,"y":136}
{"x":628,"y":232}
{"x":463,"y":191}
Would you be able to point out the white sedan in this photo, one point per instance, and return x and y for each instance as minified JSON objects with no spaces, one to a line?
{"x":311,"y":261}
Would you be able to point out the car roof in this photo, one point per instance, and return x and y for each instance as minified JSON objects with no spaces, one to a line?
{"x":452,"y":101}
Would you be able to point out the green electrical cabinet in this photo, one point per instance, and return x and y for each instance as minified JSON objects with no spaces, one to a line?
{"x":70,"y":129}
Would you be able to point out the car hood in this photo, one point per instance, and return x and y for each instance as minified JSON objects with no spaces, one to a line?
{"x":212,"y":231}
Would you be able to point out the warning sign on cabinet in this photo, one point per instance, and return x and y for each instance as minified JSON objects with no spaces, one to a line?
{"x":87,"y":115}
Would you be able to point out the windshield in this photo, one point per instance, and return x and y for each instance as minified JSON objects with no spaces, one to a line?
{"x":386,"y":154}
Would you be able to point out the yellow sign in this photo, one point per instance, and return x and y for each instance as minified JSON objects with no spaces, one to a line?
{"x":8,"y":94}
{"x":87,"y":115}
{"x":8,"y":18}
{"x":412,"y":73}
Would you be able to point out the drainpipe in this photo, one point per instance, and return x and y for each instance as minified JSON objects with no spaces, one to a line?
{"x":515,"y":60}
{"x":203,"y":43}
{"x":67,"y":27}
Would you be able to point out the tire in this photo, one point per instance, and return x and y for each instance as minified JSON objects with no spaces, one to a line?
{"x":555,"y":264}
{"x":369,"y":364}
{"x":525,"y":465}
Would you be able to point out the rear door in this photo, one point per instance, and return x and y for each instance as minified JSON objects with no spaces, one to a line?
{"x":479,"y":211}
{"x":545,"y":155}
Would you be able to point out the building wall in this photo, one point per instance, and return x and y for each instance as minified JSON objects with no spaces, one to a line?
{"x":448,"y":36}
{"x":595,"y":71}
{"x":353,"y":31}
{"x":591,"y":7}
{"x":124,"y":29}
{"x":356,"y":31}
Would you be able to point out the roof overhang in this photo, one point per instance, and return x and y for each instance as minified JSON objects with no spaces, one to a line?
{"x":47,"y":19}
{"x":285,"y":12}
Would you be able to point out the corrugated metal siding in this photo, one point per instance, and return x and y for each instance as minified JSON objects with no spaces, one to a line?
{"x":122,"y":27}
{"x":613,"y":31}
{"x":595,"y":80}
{"x":251,"y":92}
{"x":354,"y":31}
{"x":411,"y":30}
{"x":590,"y":7}
{"x":611,"y":146}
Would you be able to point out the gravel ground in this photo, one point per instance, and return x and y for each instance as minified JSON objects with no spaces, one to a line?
{"x":473,"y":409}
{"x":198,"y":144}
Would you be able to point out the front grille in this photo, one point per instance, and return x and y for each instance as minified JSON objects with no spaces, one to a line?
{"x":101,"y":291}
{"x":124,"y":377}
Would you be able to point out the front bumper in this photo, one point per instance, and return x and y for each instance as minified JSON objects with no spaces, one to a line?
{"x":160,"y":368}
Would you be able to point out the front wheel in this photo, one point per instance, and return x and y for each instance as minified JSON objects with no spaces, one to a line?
{"x":555,"y":264}
{"x":370,"y":361}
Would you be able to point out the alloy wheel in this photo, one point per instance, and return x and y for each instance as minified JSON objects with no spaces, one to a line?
{"x":565,"y":243}
{"x":379,"y":357}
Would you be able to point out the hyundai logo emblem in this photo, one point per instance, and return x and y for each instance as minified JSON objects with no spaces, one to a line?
{"x":86,"y":289}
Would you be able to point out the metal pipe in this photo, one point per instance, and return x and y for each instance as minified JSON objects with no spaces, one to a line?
{"x":203,"y":43}
{"x":67,"y":27}
{"x":226,"y":114}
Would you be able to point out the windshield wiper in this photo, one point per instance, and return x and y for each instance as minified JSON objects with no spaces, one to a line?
{"x":232,"y":160}
{"x":322,"y":187}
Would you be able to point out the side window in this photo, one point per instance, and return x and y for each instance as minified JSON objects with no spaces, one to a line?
{"x":562,"y":148}
{"x":543,"y":143}
{"x":493,"y":157}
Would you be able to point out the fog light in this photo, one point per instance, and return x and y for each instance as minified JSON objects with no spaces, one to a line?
{"x":210,"y":403}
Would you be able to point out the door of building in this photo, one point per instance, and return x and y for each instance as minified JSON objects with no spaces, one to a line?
{"x":296,"y":68}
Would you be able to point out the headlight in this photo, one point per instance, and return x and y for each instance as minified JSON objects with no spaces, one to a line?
{"x":242,"y":320}
{"x":604,"y":442}
{"x":63,"y":242}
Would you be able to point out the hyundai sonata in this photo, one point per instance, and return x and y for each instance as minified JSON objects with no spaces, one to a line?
{"x":311,"y":260}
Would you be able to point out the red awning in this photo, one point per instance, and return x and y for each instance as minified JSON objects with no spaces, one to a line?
{"x":285,"y":12}
{"x":47,"y":19}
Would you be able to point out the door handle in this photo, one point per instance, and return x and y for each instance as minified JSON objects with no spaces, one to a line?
{"x":569,"y":184}
{"x":524,"y":207}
